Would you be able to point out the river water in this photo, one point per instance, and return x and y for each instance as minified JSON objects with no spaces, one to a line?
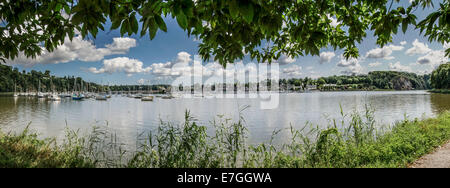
{"x":130,"y":117}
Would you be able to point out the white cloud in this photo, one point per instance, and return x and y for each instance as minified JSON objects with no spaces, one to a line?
{"x":399,"y":67}
{"x":352,"y":65}
{"x":418,"y":48}
{"x":326,"y":57}
{"x":334,"y":21}
{"x":293,"y":71}
{"x":347,"y":63}
{"x":403,"y":43}
{"x":121,"y":64}
{"x":384,"y":52}
{"x":376,"y":64}
{"x":285,"y":60}
{"x":446,"y":45}
{"x":185,"y":68}
{"x":433,"y":58}
{"x":121,"y":45}
{"x":355,"y":69}
{"x":77,"y":49}
{"x":173,"y":69}
{"x":183,"y":58}
{"x":141,"y":81}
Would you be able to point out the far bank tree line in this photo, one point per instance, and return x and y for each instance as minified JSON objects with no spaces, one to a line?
{"x":12,"y":79}
{"x":377,"y":80}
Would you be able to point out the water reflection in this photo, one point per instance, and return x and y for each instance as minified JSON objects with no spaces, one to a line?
{"x":440,"y":102}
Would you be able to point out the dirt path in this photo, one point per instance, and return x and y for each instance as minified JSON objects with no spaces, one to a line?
{"x":440,"y":158}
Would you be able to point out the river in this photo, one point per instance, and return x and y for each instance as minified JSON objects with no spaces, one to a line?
{"x":130,"y":117}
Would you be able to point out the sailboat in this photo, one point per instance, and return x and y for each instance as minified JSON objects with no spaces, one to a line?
{"x":15,"y":90}
{"x":77,"y":96}
{"x":40,"y":94}
{"x":54,"y":96}
{"x":101,"y":96}
{"x":148,"y":97}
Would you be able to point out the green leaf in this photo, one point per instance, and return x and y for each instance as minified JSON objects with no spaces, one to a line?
{"x":161,"y":23}
{"x":188,"y":8}
{"x":182,"y":20}
{"x":134,"y":25}
{"x":58,"y":7}
{"x":234,"y":9}
{"x":404,"y":25}
{"x":124,"y":27}
{"x":153,"y":28}
{"x":246,"y":10}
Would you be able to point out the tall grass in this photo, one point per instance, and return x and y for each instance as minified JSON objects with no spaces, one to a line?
{"x":351,"y":142}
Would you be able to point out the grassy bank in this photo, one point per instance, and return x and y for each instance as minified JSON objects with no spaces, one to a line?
{"x":353,"y":143}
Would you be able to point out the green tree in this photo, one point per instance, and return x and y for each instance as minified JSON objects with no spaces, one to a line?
{"x":9,"y":78}
{"x":265,"y":29}
{"x":321,"y":81}
{"x":440,"y":78}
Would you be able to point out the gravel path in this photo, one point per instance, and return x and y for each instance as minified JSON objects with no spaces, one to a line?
{"x":440,"y":158}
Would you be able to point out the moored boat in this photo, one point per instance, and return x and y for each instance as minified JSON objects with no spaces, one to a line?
{"x":147,"y":98}
{"x":138,"y":96}
{"x":55,"y":97}
{"x":101,"y":98}
{"x":78,"y":97}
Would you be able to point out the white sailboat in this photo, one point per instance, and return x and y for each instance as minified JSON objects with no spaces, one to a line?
{"x":54,"y":96}
{"x":15,"y":90}
{"x":101,"y":97}
{"x":40,"y":94}
{"x":148,"y":97}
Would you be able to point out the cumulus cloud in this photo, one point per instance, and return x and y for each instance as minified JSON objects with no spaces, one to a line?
{"x":141,"y":81}
{"x":77,"y":49}
{"x":376,"y":64}
{"x":173,"y":69}
{"x":384,"y":52}
{"x":433,"y":58}
{"x":326,"y":57}
{"x":403,"y":43}
{"x":399,"y":67}
{"x":121,"y":64}
{"x":121,"y":45}
{"x":184,"y":68}
{"x":446,"y":45}
{"x":418,"y":48}
{"x":285,"y":60}
{"x":355,"y":69}
{"x":293,"y":71}
{"x":352,"y":66}
{"x":347,"y":62}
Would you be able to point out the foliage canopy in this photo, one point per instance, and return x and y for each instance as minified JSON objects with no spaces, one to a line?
{"x":228,"y":29}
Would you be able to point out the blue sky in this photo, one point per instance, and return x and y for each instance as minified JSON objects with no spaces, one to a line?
{"x":110,"y":59}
